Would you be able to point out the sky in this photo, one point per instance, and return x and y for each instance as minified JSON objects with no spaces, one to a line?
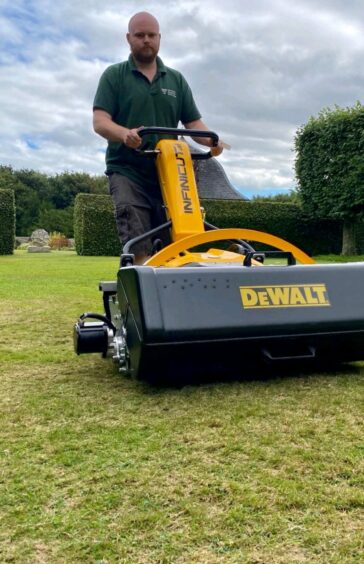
{"x":258,"y":71}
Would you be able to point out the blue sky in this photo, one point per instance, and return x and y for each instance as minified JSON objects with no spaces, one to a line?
{"x":258,"y":72}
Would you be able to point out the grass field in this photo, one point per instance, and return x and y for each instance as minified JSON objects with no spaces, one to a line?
{"x":99,"y":468}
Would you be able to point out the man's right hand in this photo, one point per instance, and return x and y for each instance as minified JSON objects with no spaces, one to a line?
{"x":131,"y":138}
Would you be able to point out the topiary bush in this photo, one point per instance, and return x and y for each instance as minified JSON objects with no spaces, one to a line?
{"x":330,"y":169}
{"x":7,"y":222}
{"x":359,"y":237}
{"x":95,"y":227}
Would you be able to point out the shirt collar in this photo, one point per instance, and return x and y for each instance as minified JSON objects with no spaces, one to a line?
{"x":160,"y":66}
{"x":161,"y":69}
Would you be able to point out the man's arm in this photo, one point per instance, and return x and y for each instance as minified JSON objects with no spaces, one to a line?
{"x":107,"y":128}
{"x":207,"y":141}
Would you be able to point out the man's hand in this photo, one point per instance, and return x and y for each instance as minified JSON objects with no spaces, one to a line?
{"x":216,"y":151}
{"x":130,"y":137}
{"x":199,"y":124}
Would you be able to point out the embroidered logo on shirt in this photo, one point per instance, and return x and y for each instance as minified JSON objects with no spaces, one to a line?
{"x":168,"y":92}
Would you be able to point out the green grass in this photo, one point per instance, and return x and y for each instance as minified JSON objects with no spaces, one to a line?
{"x":336,"y":258}
{"x":95,"y":467}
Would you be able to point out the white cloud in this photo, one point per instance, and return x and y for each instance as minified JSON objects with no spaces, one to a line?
{"x":258,"y":71}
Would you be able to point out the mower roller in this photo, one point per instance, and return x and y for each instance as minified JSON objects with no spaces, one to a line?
{"x":188,"y":312}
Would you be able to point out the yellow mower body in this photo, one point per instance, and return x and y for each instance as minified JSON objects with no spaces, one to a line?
{"x":180,"y":195}
{"x":178,"y":187}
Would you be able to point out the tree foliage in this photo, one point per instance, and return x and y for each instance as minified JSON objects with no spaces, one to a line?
{"x":47,"y":201}
{"x":330,"y":167}
{"x":290,"y":197}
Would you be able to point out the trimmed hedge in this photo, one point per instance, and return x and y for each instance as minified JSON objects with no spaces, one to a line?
{"x":359,"y":237}
{"x":330,"y":170}
{"x":7,"y":222}
{"x":283,"y":220}
{"x":95,"y":229}
{"x":94,"y":226}
{"x":329,"y":164}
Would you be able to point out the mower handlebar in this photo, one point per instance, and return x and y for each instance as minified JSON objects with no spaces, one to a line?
{"x":154,"y":130}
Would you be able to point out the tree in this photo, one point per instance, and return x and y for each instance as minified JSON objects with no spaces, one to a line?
{"x":65,"y":187}
{"x":330,"y":169}
{"x":47,"y":201}
{"x":52,"y":219}
{"x":290,"y":197}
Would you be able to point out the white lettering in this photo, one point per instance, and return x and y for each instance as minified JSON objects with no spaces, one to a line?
{"x":169,"y":92}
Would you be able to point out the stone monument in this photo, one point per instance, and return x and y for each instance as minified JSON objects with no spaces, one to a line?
{"x":39,"y":242}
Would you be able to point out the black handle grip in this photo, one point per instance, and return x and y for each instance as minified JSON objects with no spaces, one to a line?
{"x":154,"y":130}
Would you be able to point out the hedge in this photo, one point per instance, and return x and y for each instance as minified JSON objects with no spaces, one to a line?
{"x":283,"y":220}
{"x":94,"y":226}
{"x":330,"y":169}
{"x":329,"y":164}
{"x":7,"y":222}
{"x":359,"y":237}
{"x":95,"y":230}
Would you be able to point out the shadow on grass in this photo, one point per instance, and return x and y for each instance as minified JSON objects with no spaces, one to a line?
{"x":263,"y":374}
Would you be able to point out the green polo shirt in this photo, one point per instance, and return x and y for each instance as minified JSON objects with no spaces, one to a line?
{"x":132,"y":101}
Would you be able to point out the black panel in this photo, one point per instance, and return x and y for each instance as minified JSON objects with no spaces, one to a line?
{"x":177,"y":314}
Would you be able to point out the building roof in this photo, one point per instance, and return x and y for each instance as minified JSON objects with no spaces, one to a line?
{"x":212,"y":181}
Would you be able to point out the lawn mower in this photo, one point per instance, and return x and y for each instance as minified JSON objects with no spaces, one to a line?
{"x":192,"y":311}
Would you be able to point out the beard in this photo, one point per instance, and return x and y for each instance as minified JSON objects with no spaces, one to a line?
{"x":145,"y":55}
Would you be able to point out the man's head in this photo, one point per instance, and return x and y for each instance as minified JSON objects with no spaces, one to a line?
{"x":143,"y":37}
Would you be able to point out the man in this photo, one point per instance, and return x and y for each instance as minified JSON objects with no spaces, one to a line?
{"x":137,"y":93}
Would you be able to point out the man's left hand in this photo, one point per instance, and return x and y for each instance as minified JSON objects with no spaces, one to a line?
{"x":216,"y":151}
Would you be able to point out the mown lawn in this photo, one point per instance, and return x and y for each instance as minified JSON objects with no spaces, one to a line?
{"x":95,"y":467}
